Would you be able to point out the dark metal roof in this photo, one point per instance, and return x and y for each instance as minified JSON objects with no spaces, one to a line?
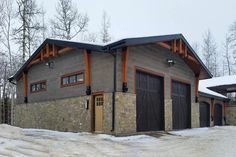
{"x":212,"y":96}
{"x":113,"y":46}
{"x":229,"y":88}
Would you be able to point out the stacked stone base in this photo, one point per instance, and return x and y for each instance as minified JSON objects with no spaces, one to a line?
{"x":74,"y":115}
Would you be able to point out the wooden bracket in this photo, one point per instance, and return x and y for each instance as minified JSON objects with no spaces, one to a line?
{"x":124,"y":69}
{"x":25,"y":80}
{"x":87,"y":61}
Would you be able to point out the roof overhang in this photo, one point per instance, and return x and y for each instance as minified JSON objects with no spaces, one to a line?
{"x":213,"y":96}
{"x":175,"y":43}
{"x":230,"y":88}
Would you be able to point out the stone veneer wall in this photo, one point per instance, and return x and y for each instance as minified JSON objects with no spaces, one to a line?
{"x":168,"y":114}
{"x":125,"y":113}
{"x":195,"y":115}
{"x":230,"y":115}
{"x":107,"y":112}
{"x":62,"y":115}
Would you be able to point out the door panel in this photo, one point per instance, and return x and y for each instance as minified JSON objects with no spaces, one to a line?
{"x":181,"y":105}
{"x":204,"y":109}
{"x":218,"y":115}
{"x":150,"y":106}
{"x":98,"y":113}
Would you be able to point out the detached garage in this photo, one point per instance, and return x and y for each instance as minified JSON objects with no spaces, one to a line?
{"x":128,"y":86}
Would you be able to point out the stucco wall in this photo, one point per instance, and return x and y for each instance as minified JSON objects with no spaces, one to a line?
{"x":67,"y":63}
{"x":63,"y":115}
{"x":101,"y":76}
{"x":102,"y":72}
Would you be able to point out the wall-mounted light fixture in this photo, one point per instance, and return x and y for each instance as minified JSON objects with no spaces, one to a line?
{"x":171,"y":62}
{"x":50,"y":64}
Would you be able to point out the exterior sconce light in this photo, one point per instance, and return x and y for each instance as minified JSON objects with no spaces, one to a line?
{"x":50,"y":64}
{"x":171,"y":62}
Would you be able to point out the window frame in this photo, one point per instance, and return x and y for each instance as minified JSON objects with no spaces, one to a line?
{"x":36,"y":83}
{"x":72,"y":74}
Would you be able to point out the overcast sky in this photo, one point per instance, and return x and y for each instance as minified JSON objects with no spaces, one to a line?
{"x":158,"y":17}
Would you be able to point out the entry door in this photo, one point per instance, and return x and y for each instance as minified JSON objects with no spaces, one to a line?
{"x":149,"y":102}
{"x":218,"y":115}
{"x":181,"y":105}
{"x":204,"y":114}
{"x":98,"y":113}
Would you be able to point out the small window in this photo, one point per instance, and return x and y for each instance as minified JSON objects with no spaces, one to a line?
{"x":38,"y":86}
{"x":72,"y":79}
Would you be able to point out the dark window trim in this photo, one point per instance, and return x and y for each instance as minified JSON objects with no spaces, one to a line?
{"x":71,"y":74}
{"x":38,"y":82}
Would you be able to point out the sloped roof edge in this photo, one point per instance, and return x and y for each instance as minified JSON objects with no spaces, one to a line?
{"x":112,"y":46}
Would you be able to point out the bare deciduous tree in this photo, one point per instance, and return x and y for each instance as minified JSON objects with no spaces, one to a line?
{"x":68,"y":22}
{"x":90,"y":37}
{"x":232,"y":37}
{"x":105,"y":36}
{"x":227,"y":56}
{"x":26,"y":33}
{"x":209,"y":51}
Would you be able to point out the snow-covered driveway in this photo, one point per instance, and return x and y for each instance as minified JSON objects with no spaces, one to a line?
{"x":210,"y":142}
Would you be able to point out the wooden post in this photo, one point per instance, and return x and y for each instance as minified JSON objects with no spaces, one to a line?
{"x":87,"y":61}
{"x":212,"y":109}
{"x":196,"y":87}
{"x":174,"y":48}
{"x":25,"y":80}
{"x":47,"y":51}
{"x":180,"y":47}
{"x":124,"y":69}
{"x":54,"y":50}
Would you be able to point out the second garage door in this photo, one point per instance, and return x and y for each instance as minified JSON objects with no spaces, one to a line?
{"x":218,"y":115}
{"x":181,"y":105}
{"x":204,"y":109}
{"x":149,"y":102}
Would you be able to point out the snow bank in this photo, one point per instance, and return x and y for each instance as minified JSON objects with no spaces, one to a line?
{"x":204,"y":142}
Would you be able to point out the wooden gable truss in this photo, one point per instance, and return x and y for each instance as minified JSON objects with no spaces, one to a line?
{"x":179,"y":47}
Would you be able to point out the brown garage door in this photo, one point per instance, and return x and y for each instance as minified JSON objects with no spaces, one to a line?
{"x":204,"y":114}
{"x":149,"y":100}
{"x":218,"y":115}
{"x":181,"y":106}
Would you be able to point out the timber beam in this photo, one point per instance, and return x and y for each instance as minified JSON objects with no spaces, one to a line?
{"x":64,"y":50}
{"x":196,"y":87}
{"x":125,"y":55}
{"x":87,"y":61}
{"x":25,"y":81}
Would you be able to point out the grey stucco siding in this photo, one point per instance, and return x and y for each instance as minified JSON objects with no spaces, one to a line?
{"x":102,"y":69}
{"x":154,"y":58}
{"x":67,"y":63}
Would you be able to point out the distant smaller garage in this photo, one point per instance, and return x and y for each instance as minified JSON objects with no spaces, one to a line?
{"x":218,"y":115}
{"x":204,"y":109}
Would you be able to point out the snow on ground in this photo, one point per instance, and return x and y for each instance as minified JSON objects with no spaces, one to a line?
{"x":204,"y":142}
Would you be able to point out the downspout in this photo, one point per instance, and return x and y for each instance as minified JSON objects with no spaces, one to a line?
{"x":114,"y":92}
